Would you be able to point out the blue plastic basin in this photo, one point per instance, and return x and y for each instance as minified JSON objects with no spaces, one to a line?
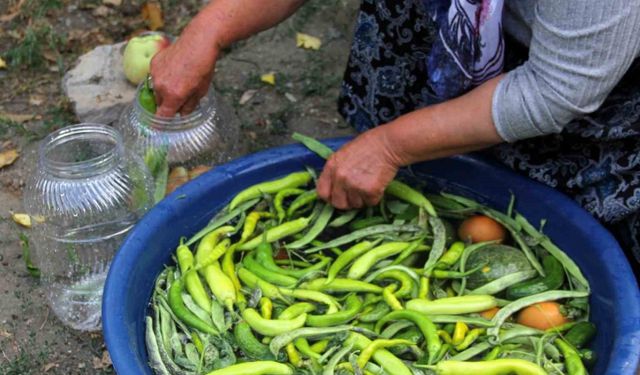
{"x":615,"y":301}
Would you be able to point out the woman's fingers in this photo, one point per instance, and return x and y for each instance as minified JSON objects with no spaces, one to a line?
{"x":189,"y":105}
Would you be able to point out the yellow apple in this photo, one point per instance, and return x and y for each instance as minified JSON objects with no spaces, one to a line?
{"x":139,"y":52}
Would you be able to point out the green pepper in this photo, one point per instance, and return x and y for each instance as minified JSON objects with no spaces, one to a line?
{"x":147,"y":98}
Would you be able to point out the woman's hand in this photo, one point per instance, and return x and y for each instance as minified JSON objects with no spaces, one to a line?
{"x":357,"y":174}
{"x":182,"y":73}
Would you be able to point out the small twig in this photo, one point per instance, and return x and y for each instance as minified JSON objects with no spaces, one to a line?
{"x":46,"y":319}
{"x":246,"y":61}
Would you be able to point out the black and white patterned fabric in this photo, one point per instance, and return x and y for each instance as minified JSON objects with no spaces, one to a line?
{"x":596,"y":159}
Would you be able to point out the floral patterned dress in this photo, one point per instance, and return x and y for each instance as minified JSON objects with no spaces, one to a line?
{"x":596,"y":159}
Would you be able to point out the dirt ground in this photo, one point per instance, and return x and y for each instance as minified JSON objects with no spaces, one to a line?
{"x":41,"y":39}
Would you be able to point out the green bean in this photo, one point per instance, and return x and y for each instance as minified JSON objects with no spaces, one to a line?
{"x":362,"y":233}
{"x":255,"y":368}
{"x":219,"y":221}
{"x":504,"y":282}
{"x":292,"y":180}
{"x":277,"y":233}
{"x":518,"y":305}
{"x":280,"y":341}
{"x":329,"y":369}
{"x":317,"y":227}
{"x":344,"y":218}
{"x":453,"y":305}
{"x":439,"y":242}
{"x":546,"y":243}
{"x":155,"y":360}
{"x":393,"y":329}
{"x":426,"y":326}
{"x":319,"y":148}
{"x":368,"y":259}
{"x":367,"y":222}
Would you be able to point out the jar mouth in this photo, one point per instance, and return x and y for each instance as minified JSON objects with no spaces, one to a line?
{"x":81,"y":151}
{"x":164,"y":123}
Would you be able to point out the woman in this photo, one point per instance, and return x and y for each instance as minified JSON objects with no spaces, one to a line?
{"x":432,"y":78}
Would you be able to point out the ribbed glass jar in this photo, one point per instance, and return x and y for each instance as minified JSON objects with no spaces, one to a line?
{"x":84,"y":195}
{"x":203,"y":137}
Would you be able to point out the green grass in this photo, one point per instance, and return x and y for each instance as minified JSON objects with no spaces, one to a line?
{"x":29,"y":53}
{"x":28,"y":361}
{"x":54,"y":119}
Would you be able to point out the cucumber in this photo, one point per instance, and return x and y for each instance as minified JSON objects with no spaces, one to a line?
{"x":495,"y":261}
{"x":554,"y":278}
{"x":580,"y":334}
{"x":249,"y":344}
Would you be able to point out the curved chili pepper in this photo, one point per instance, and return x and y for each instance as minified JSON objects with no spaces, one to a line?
{"x":423,"y":323}
{"x":181,"y":312}
{"x":292,"y":180}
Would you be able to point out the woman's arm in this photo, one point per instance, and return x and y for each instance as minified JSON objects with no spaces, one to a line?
{"x":578,"y":53}
{"x":182,"y":73}
{"x":358,"y":173}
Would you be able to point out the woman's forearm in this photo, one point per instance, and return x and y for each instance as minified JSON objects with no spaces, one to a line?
{"x":456,"y":126}
{"x":225,"y":21}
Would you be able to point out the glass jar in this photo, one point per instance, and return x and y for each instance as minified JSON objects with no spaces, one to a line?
{"x":203,"y":137}
{"x":84,"y":195}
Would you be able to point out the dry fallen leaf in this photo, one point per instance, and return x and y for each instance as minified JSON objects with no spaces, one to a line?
{"x":290,"y":97}
{"x":16,"y":117}
{"x":49,"y":366}
{"x":198,"y":170}
{"x":36,"y":100}
{"x":7,"y":157}
{"x":246,"y":96}
{"x":5,"y":334}
{"x":102,"y":363}
{"x":307,"y":41}
{"x":13,"y":12}
{"x":22,"y":219}
{"x":3,"y":64}
{"x":152,"y":13}
{"x":269,"y":78}
{"x":115,"y":3}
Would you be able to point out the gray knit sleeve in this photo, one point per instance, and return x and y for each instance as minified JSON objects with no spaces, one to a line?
{"x":579,"y":51}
